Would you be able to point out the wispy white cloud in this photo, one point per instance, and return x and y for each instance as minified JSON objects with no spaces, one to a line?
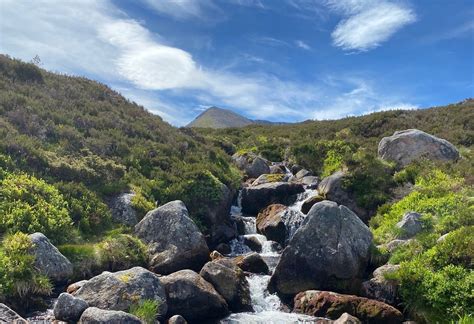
{"x":302,"y":44}
{"x":368,"y":23}
{"x":183,"y":9}
{"x":270,"y":41}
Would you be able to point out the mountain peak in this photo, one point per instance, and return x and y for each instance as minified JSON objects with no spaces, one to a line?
{"x":215,"y":117}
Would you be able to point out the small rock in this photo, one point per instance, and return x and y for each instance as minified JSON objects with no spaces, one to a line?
{"x":410,"y":225}
{"x":277,"y":169}
{"x":223,"y":248}
{"x":69,"y":308}
{"x":303,"y":173}
{"x":48,"y":260}
{"x":176,"y":319}
{"x":252,"y":262}
{"x":347,"y":319}
{"x":251,"y":164}
{"x":72,"y":288}
{"x":442,"y":238}
{"x":270,"y":223}
{"x":252,"y":241}
{"x":308,"y":203}
{"x":122,"y":209}
{"x":392,"y":245}
{"x":311,"y":182}
{"x":94,"y":315}
{"x":379,"y":287}
{"x":215,"y":255}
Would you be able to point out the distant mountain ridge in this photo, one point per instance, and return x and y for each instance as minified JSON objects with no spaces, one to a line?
{"x":215,"y":117}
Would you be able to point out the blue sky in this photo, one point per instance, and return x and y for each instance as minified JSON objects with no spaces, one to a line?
{"x":280,"y":60}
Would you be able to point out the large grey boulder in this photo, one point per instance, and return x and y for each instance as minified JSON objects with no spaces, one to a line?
{"x":190,"y":295}
{"x":256,"y":198}
{"x":229,"y":281}
{"x":122,"y":209}
{"x":94,"y":315}
{"x":48,"y":260}
{"x":120,"y":290}
{"x":174,"y":241}
{"x":330,"y":251}
{"x":251,"y":164}
{"x":410,"y":225}
{"x":332,"y":189}
{"x":7,"y":315}
{"x":406,"y":146}
{"x":270,"y":223}
{"x":69,"y":308}
{"x":381,"y":288}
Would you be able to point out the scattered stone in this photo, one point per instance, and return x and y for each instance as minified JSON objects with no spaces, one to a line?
{"x":333,"y":305}
{"x":330,"y":250}
{"x":303,"y":173}
{"x":230,"y":282}
{"x":176,"y":319}
{"x":295,"y":168}
{"x":277,"y":169}
{"x":94,"y":315}
{"x":270,"y":223}
{"x":308,"y":203}
{"x":69,"y":308}
{"x":119,"y":290}
{"x":347,"y":319}
{"x":48,"y":260}
{"x":254,"y":199}
{"x":406,"y":146}
{"x":215,"y":255}
{"x":394,"y":244}
{"x":251,"y":164}
{"x":72,"y":288}
{"x":223,"y":248}
{"x":122,"y":209}
{"x":253,"y":242}
{"x":174,"y":241}
{"x":268,"y":178}
{"x":410,"y":225}
{"x":379,"y":287}
{"x":252,"y":262}
{"x":7,"y":315}
{"x":311,"y":182}
{"x":442,"y":238}
{"x":191,"y":296}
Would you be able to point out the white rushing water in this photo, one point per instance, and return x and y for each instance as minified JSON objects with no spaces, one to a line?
{"x":268,"y":308}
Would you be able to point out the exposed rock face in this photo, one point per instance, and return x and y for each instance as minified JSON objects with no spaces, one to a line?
{"x":252,"y":262}
{"x":308,"y":203}
{"x":406,"y":146}
{"x":174,"y":241}
{"x":380,"y":288}
{"x":191,"y":296}
{"x":330,"y":250}
{"x":122,"y":210}
{"x":256,"y":198}
{"x":229,"y":281}
{"x":69,"y":308}
{"x":410,"y":225}
{"x":270,"y":223}
{"x":268,"y":178}
{"x":119,"y":290}
{"x":251,"y":164}
{"x":333,"y":305}
{"x":332,"y":189}
{"x":176,"y":319}
{"x":94,"y":315}
{"x":7,"y":315}
{"x":48,"y":260}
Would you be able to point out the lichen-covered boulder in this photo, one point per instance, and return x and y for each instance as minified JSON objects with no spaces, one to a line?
{"x":120,"y":290}
{"x":333,"y":305}
{"x":406,"y":146}
{"x":229,"y":281}
{"x":174,"y":241}
{"x":251,"y":164}
{"x":270,"y":223}
{"x":122,"y":209}
{"x":268,"y":178}
{"x":94,"y":315}
{"x":381,"y":288}
{"x":255,"y":198}
{"x":330,"y":250}
{"x":410,"y":225}
{"x":7,"y":315}
{"x":48,"y":260}
{"x":190,"y":295}
{"x":69,"y":308}
{"x":331,"y":188}
{"x":308,"y":203}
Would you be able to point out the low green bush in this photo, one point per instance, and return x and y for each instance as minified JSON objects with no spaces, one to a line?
{"x":120,"y":252}
{"x":146,"y":310}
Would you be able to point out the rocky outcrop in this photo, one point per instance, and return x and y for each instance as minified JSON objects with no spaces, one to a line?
{"x":332,"y":189}
{"x":174,"y":241}
{"x":229,"y":281}
{"x":270,"y":223}
{"x":406,"y":146}
{"x":191,"y":296}
{"x":308,"y":203}
{"x":333,"y":305}
{"x":48,"y":260}
{"x":122,"y":209}
{"x":251,"y":164}
{"x":94,"y":315}
{"x":256,"y":198}
{"x":7,"y":315}
{"x":330,"y":251}
{"x":379,"y":287}
{"x":252,"y":262}
{"x":410,"y":225}
{"x":69,"y":308}
{"x":119,"y":290}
